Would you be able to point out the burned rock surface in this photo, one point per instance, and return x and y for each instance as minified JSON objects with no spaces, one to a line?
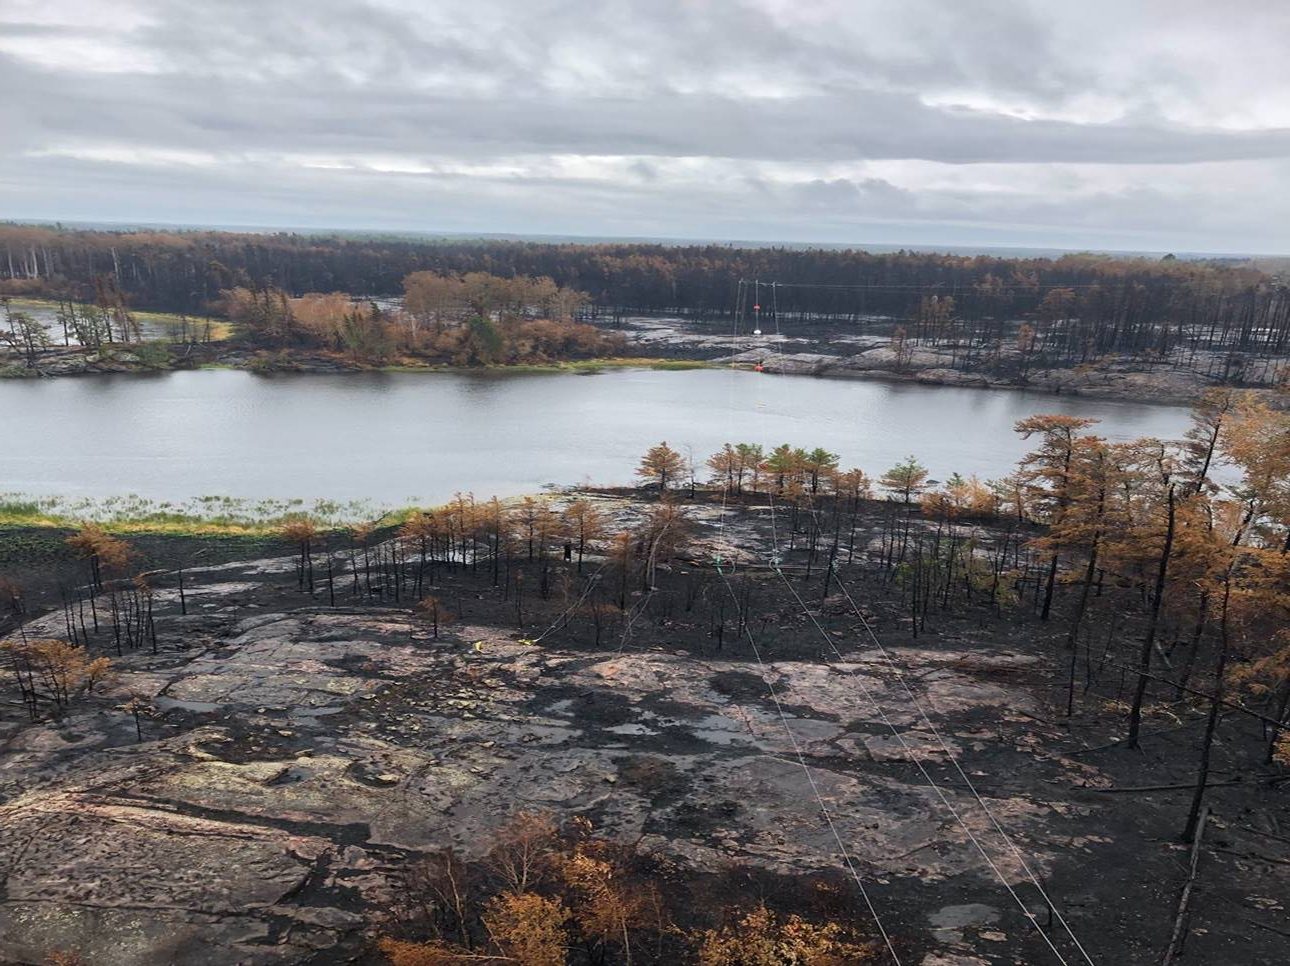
{"x":863,"y":350}
{"x":299,"y":755}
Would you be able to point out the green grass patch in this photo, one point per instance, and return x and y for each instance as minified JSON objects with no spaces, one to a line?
{"x":207,"y":516}
{"x":568,"y":365}
{"x":19,"y":508}
{"x":629,"y":362}
{"x":679,"y":365}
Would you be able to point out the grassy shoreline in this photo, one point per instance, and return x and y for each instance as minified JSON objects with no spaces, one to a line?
{"x":206,"y":516}
{"x":203,"y":517}
{"x":35,"y":556}
{"x":570,"y":365}
{"x":302,"y":363}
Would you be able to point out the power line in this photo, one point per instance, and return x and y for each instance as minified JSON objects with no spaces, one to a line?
{"x":775,"y":562}
{"x":559,"y":621}
{"x":917,"y":762}
{"x":810,"y":777}
{"x":971,"y":287}
{"x":959,"y":769}
{"x":819,"y":798}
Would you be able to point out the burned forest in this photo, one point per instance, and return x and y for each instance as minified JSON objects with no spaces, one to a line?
{"x":766,"y":702}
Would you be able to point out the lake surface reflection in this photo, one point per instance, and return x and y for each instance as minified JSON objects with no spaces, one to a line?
{"x":395,"y":437}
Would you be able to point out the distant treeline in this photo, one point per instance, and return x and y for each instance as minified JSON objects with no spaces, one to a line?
{"x":1122,"y":304}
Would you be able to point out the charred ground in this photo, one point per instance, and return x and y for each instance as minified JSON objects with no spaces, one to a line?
{"x":298,"y":757}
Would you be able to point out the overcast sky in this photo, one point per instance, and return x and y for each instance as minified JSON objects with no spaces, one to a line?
{"x":1127,"y":124}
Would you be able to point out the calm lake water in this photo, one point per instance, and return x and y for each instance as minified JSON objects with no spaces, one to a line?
{"x":395,"y":437}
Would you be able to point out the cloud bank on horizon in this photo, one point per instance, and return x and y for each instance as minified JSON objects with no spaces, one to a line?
{"x":1150,"y":125}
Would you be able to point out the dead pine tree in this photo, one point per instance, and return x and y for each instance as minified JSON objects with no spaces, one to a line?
{"x":303,"y":533}
{"x":430,"y":608}
{"x":585,"y":523}
{"x":1211,"y":722}
{"x":1045,"y":477}
{"x":661,"y":465}
{"x":138,"y":707}
{"x":1153,"y":622}
{"x":331,"y":577}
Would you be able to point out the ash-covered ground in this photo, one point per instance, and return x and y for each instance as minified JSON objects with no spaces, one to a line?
{"x":298,"y":755}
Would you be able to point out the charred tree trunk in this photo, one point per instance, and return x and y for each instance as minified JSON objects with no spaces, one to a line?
{"x":1149,"y":639}
{"x":1211,"y":724}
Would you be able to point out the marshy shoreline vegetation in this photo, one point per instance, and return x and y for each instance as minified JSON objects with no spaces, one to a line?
{"x":201,"y":516}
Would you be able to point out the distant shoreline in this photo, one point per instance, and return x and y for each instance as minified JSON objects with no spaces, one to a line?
{"x":153,"y":357}
{"x":1124,"y":382}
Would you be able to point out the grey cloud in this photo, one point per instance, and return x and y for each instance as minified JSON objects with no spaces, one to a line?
{"x":842,"y":193}
{"x":308,"y":115}
{"x":748,"y":84}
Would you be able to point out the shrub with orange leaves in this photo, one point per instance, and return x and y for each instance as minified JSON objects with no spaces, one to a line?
{"x":53,"y":669}
{"x":525,"y":851}
{"x":401,"y":953}
{"x":760,"y":938}
{"x":530,"y":929}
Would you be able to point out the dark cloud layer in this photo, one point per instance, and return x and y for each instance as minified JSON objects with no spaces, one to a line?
{"x":1163,"y":126}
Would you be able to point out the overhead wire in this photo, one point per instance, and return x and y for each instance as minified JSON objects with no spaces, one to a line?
{"x":917,"y":762}
{"x":775,"y":561}
{"x":940,"y":287}
{"x":559,"y":621}
{"x":958,"y":767}
{"x":810,"y":777}
{"x":774,"y":694}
